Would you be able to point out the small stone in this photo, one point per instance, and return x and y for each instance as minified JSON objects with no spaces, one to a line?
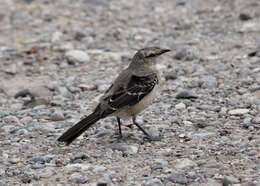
{"x":63,"y":91}
{"x":210,"y":108}
{"x":256,"y":120}
{"x":203,"y":135}
{"x":153,"y":182}
{"x":76,"y":56}
{"x":21,"y":132}
{"x":244,"y":17}
{"x":178,"y":178}
{"x":14,"y":160}
{"x":57,"y":116}
{"x":247,"y":122}
{"x":102,"y":183}
{"x":186,"y":95}
{"x":38,"y":159}
{"x":180,"y":106}
{"x":10,"y":129}
{"x":171,"y":76}
{"x":230,"y":180}
{"x":103,"y":132}
{"x":184,"y":163}
{"x":45,"y":173}
{"x":26,"y":120}
{"x":38,"y":165}
{"x":99,"y":169}
{"x":56,"y":36}
{"x":87,"y":87}
{"x":127,"y":149}
{"x":77,"y":178}
{"x":208,"y":82}
{"x":237,"y":112}
{"x":78,"y":158}
{"x":12,"y":120}
{"x":184,"y":54}
{"x":132,"y":149}
{"x":182,"y":135}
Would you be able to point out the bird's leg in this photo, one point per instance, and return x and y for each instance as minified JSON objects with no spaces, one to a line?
{"x":119,"y":127}
{"x":156,"y":138}
{"x":136,"y":124}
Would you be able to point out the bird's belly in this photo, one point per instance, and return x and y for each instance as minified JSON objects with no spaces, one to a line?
{"x":139,"y":107}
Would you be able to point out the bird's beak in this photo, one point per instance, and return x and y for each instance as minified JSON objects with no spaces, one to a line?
{"x":164,"y":51}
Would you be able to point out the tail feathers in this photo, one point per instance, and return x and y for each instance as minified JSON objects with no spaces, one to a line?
{"x":75,"y":131}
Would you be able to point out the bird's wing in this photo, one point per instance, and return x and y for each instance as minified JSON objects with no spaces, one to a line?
{"x":132,"y":92}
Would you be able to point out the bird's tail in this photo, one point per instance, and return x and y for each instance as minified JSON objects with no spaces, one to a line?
{"x":72,"y":133}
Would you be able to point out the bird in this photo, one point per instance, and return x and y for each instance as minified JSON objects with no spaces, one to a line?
{"x":134,"y":89}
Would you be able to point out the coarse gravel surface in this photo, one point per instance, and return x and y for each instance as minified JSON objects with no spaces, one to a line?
{"x":58,"y":57}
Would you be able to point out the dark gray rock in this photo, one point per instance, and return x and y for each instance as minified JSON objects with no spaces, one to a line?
{"x":186,"y":95}
{"x":244,"y":16}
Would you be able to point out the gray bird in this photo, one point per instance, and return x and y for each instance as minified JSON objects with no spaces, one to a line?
{"x":132,"y":91}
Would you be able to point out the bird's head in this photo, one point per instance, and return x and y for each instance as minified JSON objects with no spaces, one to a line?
{"x":147,"y":56}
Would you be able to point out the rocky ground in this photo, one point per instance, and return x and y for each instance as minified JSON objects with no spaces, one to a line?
{"x":56,"y":58}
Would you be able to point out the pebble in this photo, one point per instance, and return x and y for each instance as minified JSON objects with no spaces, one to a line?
{"x":102,"y":183}
{"x":38,"y":165}
{"x":256,"y":120}
{"x":180,"y":106}
{"x":21,"y":132}
{"x":46,"y":173}
{"x":153,"y":182}
{"x":208,"y":82}
{"x":230,"y":180}
{"x":178,"y":178}
{"x":79,"y":157}
{"x":12,"y":120}
{"x":244,"y":16}
{"x":26,"y":120}
{"x":10,"y":128}
{"x":184,"y":163}
{"x":171,"y":76}
{"x":247,"y":122}
{"x":56,"y":36}
{"x":186,"y":95}
{"x":203,"y":135}
{"x":77,"y":178}
{"x":127,"y":149}
{"x":236,"y":112}
{"x":57,"y":116}
{"x":210,"y":108}
{"x":99,"y":169}
{"x":77,"y":56}
{"x":185,"y":54}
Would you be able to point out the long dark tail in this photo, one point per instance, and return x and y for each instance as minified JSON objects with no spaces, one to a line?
{"x":72,"y":133}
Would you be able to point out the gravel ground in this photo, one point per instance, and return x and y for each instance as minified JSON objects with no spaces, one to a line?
{"x":56,"y":58}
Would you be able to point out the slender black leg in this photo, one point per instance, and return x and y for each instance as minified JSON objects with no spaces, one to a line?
{"x":136,"y":124}
{"x":119,"y":127}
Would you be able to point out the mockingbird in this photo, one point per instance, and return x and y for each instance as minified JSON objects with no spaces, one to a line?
{"x":132,"y":91}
